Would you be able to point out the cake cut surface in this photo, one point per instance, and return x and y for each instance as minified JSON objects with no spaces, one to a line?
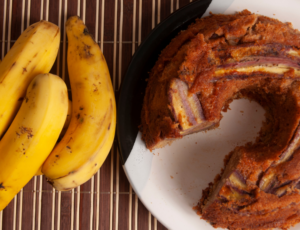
{"x":217,"y":59}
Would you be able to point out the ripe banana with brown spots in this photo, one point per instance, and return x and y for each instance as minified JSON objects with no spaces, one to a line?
{"x":91,"y":132}
{"x":33,"y":53}
{"x":32,"y":134}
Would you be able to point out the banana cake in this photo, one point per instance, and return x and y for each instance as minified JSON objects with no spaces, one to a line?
{"x":217,"y":59}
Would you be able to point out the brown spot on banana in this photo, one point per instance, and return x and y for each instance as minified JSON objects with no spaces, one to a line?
{"x":108,"y":127}
{"x":87,"y":53}
{"x":96,"y":89}
{"x":24,"y":70}
{"x":21,"y":99}
{"x":86,"y":31}
{"x":25,"y":130}
{"x":2,"y":186}
{"x":80,"y":108}
{"x":33,"y":85}
{"x":68,"y":147}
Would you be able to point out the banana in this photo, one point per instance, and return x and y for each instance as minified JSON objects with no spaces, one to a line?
{"x":62,"y":133}
{"x":33,"y":53}
{"x":32,"y":134}
{"x":89,"y":137}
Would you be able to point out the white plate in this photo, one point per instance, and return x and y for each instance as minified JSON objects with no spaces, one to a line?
{"x":169,"y":181}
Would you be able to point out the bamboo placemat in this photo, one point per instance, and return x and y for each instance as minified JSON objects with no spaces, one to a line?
{"x":107,"y":201}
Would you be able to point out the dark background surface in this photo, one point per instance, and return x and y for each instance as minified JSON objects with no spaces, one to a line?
{"x":107,"y":201}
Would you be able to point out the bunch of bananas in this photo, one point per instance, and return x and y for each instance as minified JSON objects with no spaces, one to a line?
{"x":35,"y":110}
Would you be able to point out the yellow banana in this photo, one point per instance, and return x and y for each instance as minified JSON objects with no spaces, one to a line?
{"x":33,"y":53}
{"x":62,"y":133}
{"x":32,"y":134}
{"x":90,"y":134}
